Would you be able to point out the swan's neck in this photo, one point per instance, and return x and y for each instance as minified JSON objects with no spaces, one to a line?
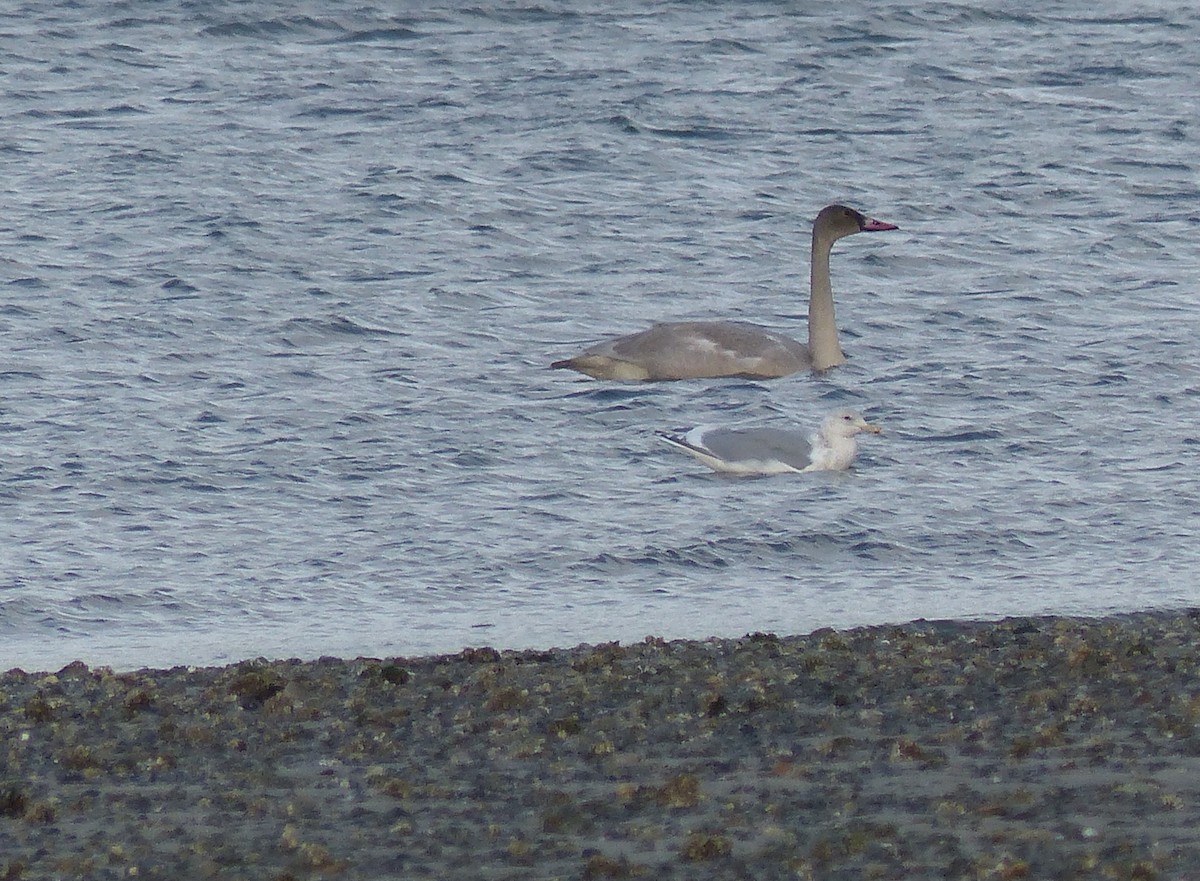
{"x":823,"y":345}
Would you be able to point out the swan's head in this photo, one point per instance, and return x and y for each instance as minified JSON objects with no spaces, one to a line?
{"x":836,"y":221}
{"x":847,"y":423}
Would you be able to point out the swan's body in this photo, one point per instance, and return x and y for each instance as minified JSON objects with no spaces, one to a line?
{"x":696,"y":349}
{"x":773,"y":450}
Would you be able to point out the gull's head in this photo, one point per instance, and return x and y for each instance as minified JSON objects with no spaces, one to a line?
{"x":847,"y":423}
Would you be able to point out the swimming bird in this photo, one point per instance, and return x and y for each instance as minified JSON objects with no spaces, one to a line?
{"x":697,"y":349}
{"x":774,"y":450}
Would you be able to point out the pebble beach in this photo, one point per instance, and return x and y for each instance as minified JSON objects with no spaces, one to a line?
{"x":1025,"y":748}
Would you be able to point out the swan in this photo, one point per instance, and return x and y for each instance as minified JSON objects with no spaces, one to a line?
{"x":774,"y":450}
{"x":697,"y":349}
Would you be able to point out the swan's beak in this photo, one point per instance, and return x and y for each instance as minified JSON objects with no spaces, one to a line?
{"x":873,"y":225}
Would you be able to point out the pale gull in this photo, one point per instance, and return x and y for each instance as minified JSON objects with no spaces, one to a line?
{"x":776,"y":451}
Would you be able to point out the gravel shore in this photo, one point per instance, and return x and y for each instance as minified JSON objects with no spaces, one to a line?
{"x":1027,"y":748}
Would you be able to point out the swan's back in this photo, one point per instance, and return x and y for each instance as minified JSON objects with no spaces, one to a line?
{"x":693,"y":350}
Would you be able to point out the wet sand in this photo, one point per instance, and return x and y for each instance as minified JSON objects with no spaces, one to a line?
{"x":1027,"y":748}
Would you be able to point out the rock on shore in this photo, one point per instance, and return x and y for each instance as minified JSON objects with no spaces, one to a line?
{"x":1026,"y":748}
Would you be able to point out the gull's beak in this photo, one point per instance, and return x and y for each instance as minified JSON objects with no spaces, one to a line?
{"x":872,"y":428}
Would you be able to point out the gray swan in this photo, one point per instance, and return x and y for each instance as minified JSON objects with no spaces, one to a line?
{"x":698,"y":349}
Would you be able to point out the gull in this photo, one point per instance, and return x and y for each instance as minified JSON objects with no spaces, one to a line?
{"x":773,"y":450}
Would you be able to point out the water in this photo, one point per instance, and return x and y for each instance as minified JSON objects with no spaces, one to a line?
{"x":281,"y":282}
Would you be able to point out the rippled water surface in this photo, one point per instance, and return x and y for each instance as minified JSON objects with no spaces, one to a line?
{"x":280,"y":284}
